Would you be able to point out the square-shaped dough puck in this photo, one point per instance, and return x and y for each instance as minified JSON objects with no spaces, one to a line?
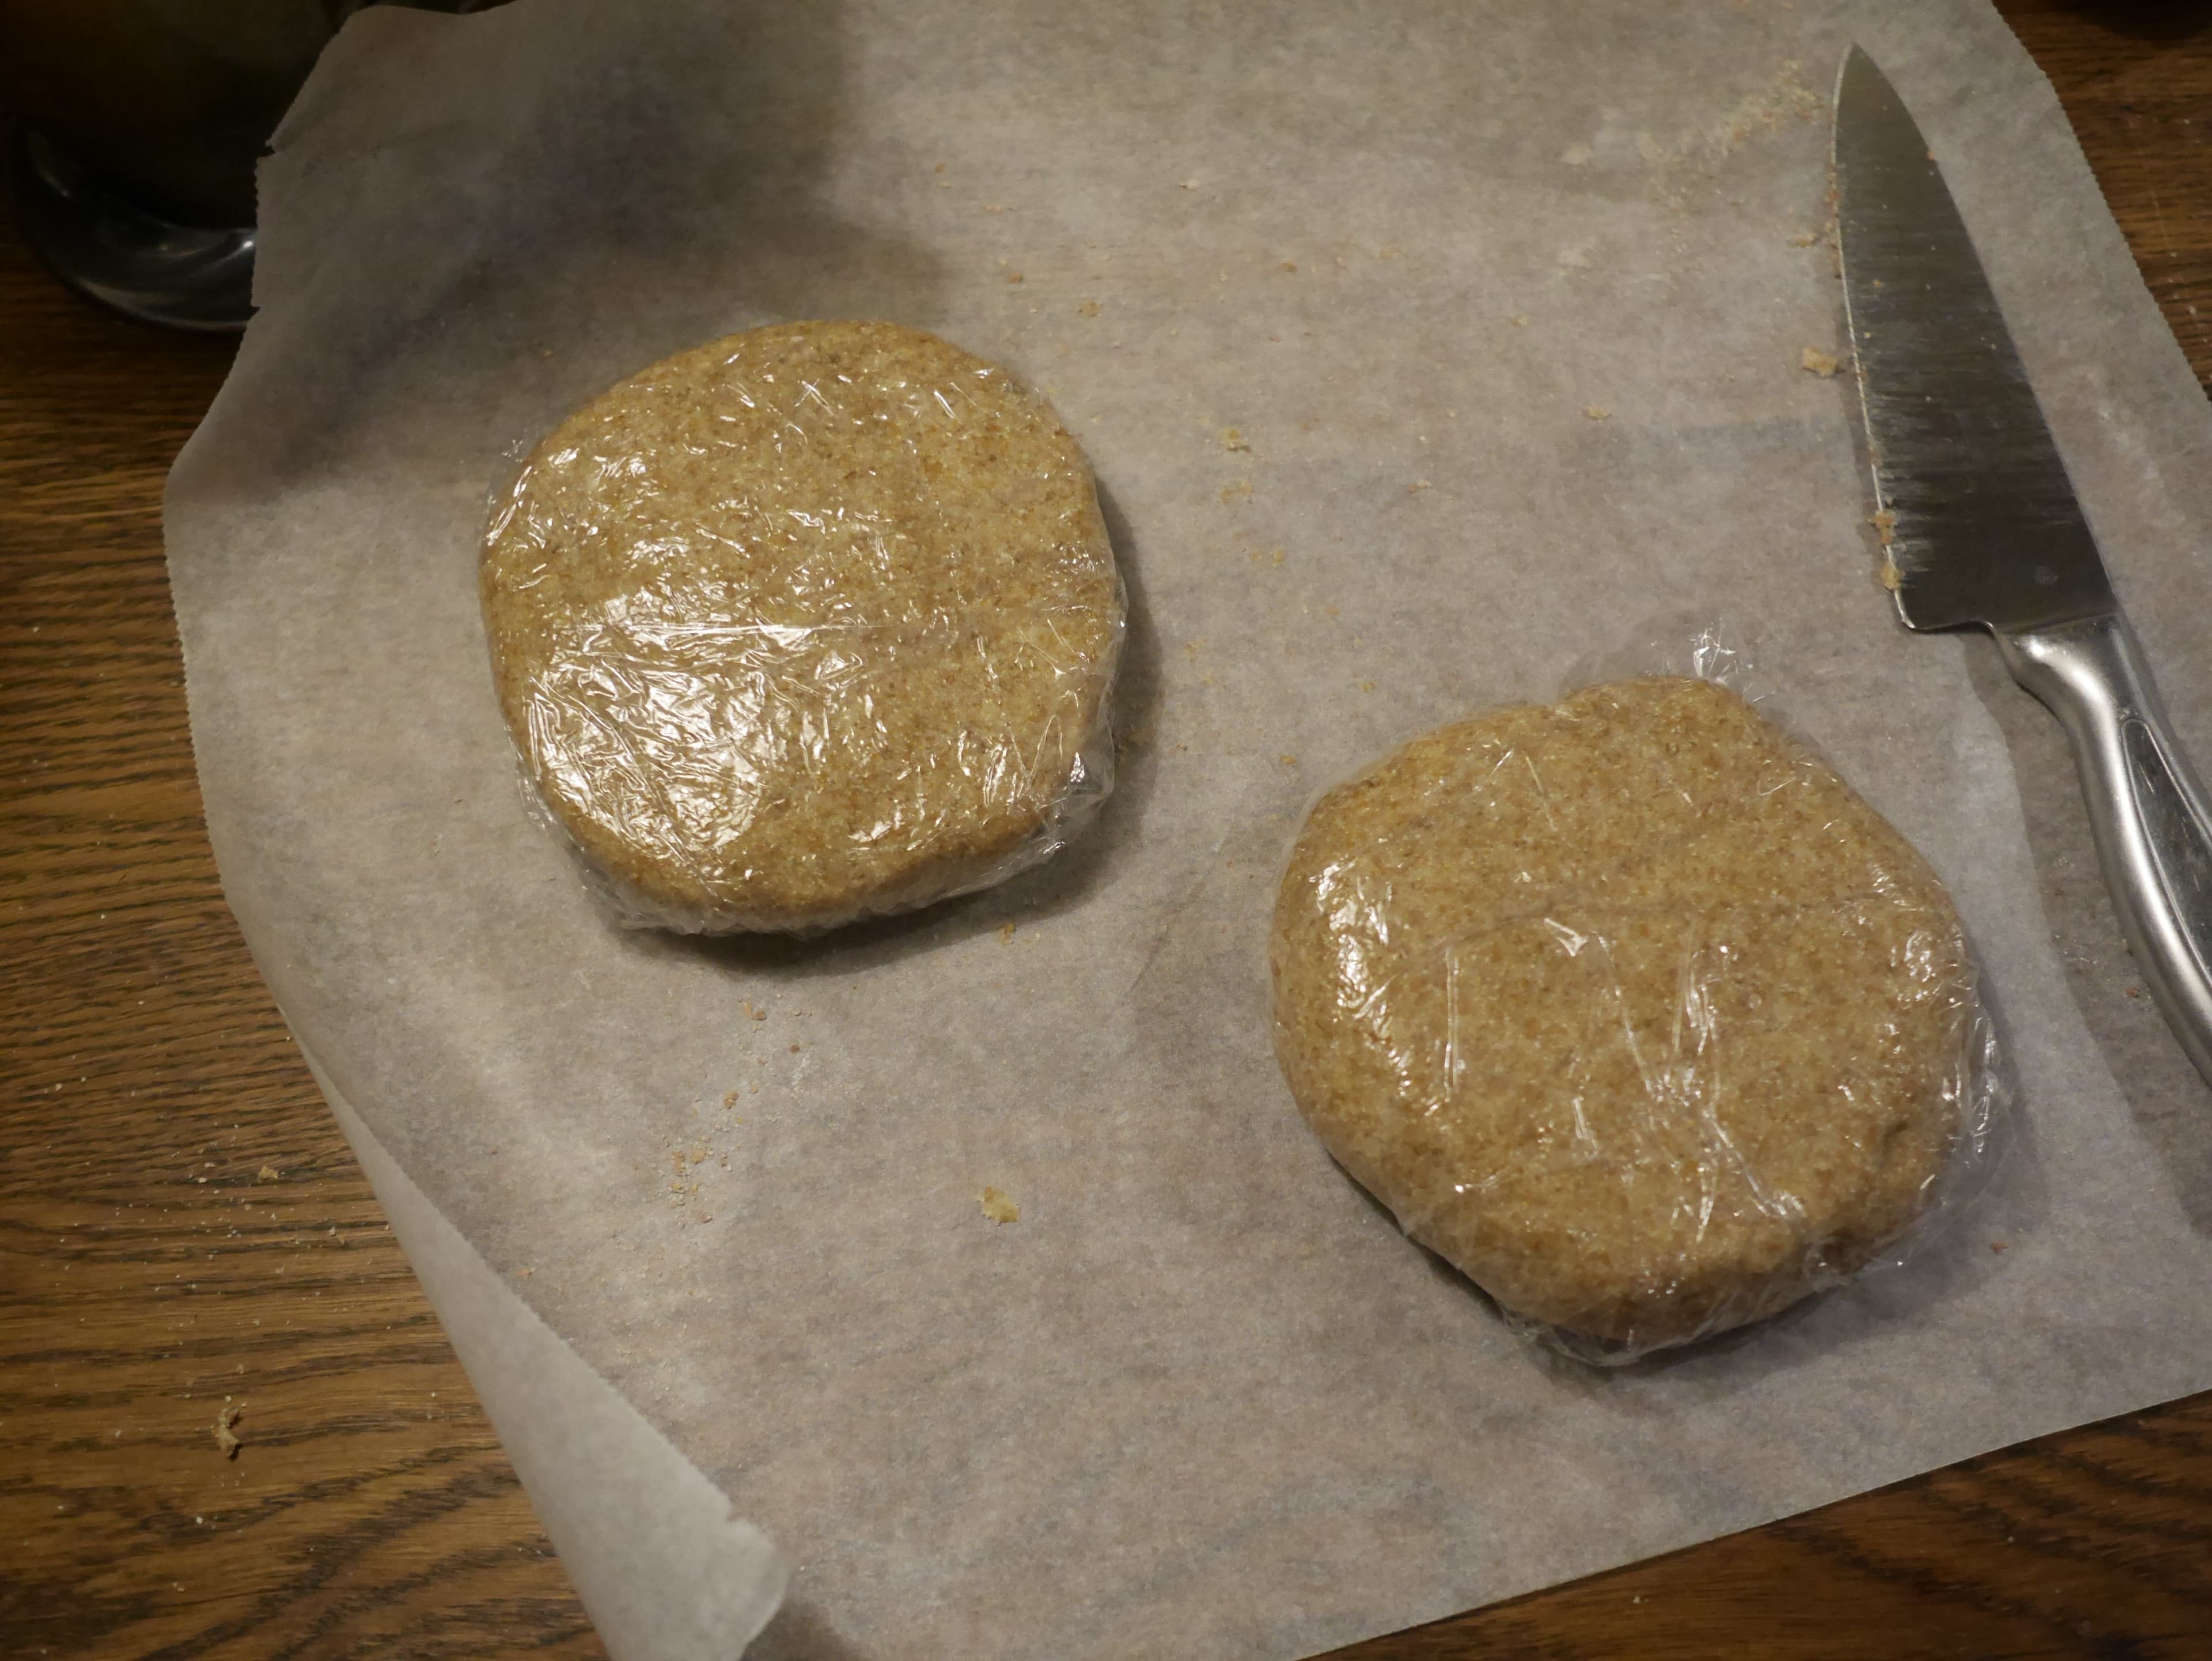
{"x":1629,"y":1008}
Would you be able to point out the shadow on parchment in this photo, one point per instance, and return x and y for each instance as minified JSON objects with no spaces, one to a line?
{"x":1062,"y":882}
{"x":2169,"y":1102}
{"x":483,"y":256}
{"x":800,"y":1631}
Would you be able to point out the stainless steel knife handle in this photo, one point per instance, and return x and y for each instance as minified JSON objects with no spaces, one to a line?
{"x":2146,"y":809}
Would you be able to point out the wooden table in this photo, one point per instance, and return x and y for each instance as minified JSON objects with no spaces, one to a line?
{"x":182,"y":1230}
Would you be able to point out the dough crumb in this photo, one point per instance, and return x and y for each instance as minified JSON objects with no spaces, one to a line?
{"x":226,"y":1437}
{"x":1804,"y":239}
{"x":1005,"y":934}
{"x":1014,"y":277}
{"x":1418,"y":486}
{"x":999,"y":1206}
{"x":1813,"y":360}
{"x":269,"y":1173}
{"x":1233,"y":440}
{"x":1885,"y":526}
{"x":1597,"y":412}
{"x":1520,"y":320}
{"x":1088,"y":308}
{"x":1292,"y":266}
{"x":730,"y":1099}
{"x":1889,"y":576}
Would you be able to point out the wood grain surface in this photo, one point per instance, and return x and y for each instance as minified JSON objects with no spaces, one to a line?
{"x":182,"y":1232}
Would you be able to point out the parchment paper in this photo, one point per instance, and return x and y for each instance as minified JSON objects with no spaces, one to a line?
{"x":1434,"y":346}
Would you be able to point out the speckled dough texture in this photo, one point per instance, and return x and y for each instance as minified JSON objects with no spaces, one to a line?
{"x":811,"y":623}
{"x":1629,"y":1008}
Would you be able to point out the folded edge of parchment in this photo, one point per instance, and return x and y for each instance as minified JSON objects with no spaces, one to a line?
{"x":666,"y":1570}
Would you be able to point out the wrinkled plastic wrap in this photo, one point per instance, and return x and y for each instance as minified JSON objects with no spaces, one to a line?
{"x":809,"y":623}
{"x":1633,"y":1010}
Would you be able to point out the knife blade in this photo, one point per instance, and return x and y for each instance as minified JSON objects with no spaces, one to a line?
{"x":1980,"y":526}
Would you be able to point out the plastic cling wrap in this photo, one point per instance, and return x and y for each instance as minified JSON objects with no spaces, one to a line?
{"x":812,"y":622}
{"x":1632,"y":1009}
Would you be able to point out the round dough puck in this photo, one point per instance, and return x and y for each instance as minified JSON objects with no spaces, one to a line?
{"x":809,"y":623}
{"x":1628,"y":1008}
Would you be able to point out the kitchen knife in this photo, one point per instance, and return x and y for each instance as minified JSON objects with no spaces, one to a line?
{"x":1979,"y":527}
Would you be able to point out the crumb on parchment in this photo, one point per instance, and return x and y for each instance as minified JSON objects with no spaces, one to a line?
{"x":1597,"y":412}
{"x":999,"y":1206}
{"x":1813,"y":360}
